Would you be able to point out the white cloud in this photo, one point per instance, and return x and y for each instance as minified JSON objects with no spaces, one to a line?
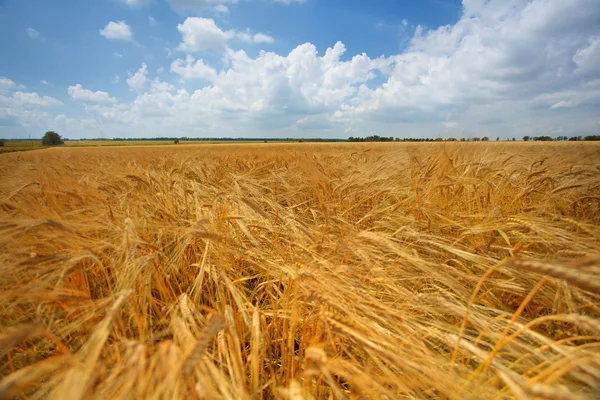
{"x":152,"y":21}
{"x":26,"y":119}
{"x":506,"y":68}
{"x":34,"y":99}
{"x":115,"y":79}
{"x":469,"y":74}
{"x":117,"y":54}
{"x":78,"y":93}
{"x":588,"y":58}
{"x":561,"y":104}
{"x":158,"y":86}
{"x":262,"y":38}
{"x":118,"y":30}
{"x":27,"y":100}
{"x":6,"y":83}
{"x":138,"y":80}
{"x":270,"y":91}
{"x":34,"y":34}
{"x":44,"y":82}
{"x":203,"y":34}
{"x":189,"y":70}
{"x":500,"y":51}
{"x":256,"y":38}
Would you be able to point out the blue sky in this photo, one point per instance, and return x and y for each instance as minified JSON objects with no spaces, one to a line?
{"x":299,"y":68}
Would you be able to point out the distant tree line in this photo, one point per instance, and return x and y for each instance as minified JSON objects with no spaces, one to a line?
{"x":561,"y":138}
{"x":52,"y":138}
{"x":376,"y":138}
{"x":225,"y":139}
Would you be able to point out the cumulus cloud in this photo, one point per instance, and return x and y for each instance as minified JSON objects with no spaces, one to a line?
{"x":203,"y":34}
{"x":6,"y":83}
{"x":15,"y":102}
{"x":27,"y":100}
{"x":264,"y":92}
{"x":117,"y":30}
{"x":25,"y":113}
{"x":189,"y":69}
{"x":78,"y":93}
{"x":499,"y":51}
{"x":507,"y":67}
{"x":138,"y":80}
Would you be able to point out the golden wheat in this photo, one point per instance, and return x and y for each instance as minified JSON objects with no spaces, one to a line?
{"x":301,"y":271}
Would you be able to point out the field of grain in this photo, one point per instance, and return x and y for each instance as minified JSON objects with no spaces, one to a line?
{"x":301,"y":271}
{"x":26,"y":145}
{"x":10,"y":146}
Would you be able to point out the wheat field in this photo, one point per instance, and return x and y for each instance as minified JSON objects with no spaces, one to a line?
{"x":301,"y":271}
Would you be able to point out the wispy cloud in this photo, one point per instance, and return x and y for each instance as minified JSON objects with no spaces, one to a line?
{"x":34,"y":34}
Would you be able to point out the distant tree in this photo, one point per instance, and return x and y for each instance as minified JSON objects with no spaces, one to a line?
{"x":592,"y":138}
{"x":514,"y":139}
{"x":575,"y":139}
{"x":485,"y":139}
{"x":498,"y":139}
{"x":52,"y":138}
{"x":176,"y":141}
{"x":1,"y":143}
{"x":526,"y":138}
{"x":373,"y":138}
{"x":462,"y":139}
